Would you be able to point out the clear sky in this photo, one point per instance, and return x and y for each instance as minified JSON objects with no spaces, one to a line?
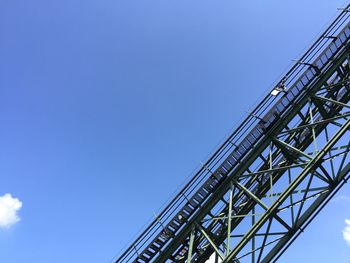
{"x":107,"y":106}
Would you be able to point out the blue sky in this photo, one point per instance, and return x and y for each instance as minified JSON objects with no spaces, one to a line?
{"x":106,"y":107}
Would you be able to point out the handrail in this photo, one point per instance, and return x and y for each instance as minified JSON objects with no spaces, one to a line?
{"x":172,"y":208}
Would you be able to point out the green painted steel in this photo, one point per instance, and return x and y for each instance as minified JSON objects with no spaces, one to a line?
{"x":272,"y":176}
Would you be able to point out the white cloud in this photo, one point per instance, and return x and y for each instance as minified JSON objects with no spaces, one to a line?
{"x":9,"y":207}
{"x":346,"y":232}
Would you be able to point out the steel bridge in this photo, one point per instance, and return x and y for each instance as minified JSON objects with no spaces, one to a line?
{"x":273,"y":174}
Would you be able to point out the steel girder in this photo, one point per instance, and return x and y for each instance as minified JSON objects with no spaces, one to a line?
{"x":283,"y":184}
{"x":265,"y":184}
{"x":305,"y":163}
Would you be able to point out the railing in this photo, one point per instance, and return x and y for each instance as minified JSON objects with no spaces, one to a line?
{"x":241,"y":140}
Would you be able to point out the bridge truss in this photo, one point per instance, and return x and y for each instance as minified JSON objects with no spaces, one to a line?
{"x":272,"y":176}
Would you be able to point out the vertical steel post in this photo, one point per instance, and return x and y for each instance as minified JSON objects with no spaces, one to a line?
{"x":190,"y":246}
{"x":253,"y":240}
{"x":270,"y":175}
{"x":312,"y":127}
{"x":229,"y":220}
{"x":291,"y":198}
{"x":330,"y":154}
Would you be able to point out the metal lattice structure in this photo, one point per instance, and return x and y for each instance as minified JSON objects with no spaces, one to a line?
{"x":272,"y":176}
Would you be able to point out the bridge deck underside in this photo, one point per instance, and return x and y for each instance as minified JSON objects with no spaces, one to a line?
{"x":272,"y":176}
